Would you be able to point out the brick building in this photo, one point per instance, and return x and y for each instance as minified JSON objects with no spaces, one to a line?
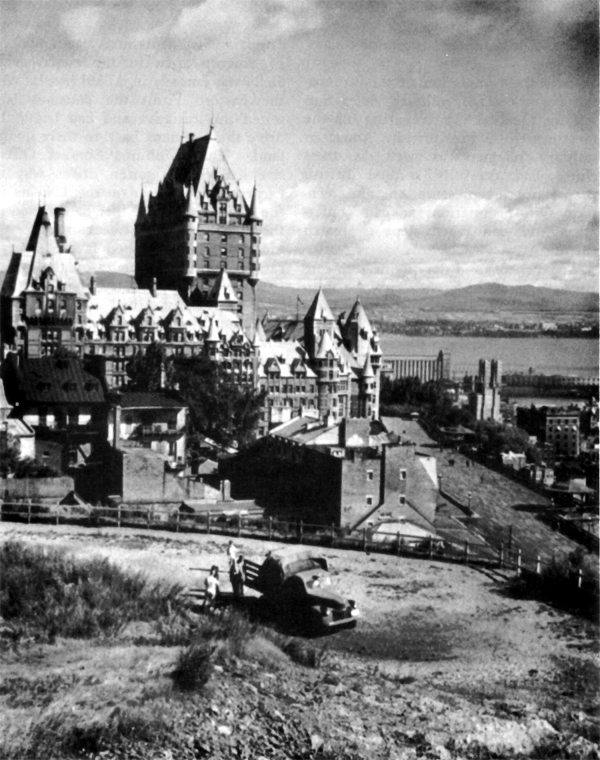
{"x":347,"y":474}
{"x":197,"y":224}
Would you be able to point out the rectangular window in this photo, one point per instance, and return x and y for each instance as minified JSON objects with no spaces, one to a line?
{"x":369,"y":501}
{"x":401,"y":499}
{"x":402,"y":474}
{"x":369,"y":474}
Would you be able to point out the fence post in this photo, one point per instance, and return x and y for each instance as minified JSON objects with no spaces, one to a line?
{"x":177,"y":520}
{"x":467,"y":551}
{"x":148,"y":517}
{"x":57,"y":515}
{"x":208,"y":521}
{"x":519,"y":561}
{"x":501,"y":556}
{"x":398,"y":544}
{"x":538,"y":565}
{"x":118,"y":516}
{"x":270,"y":527}
{"x":301,"y":536}
{"x":239,"y":524}
{"x":332,"y":534}
{"x":364,"y":539}
{"x":430,"y":547}
{"x":28,"y":511}
{"x":579,"y":578}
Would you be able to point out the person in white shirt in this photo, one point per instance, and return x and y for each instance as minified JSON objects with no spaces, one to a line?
{"x":231,"y":553}
{"x":211,"y":589}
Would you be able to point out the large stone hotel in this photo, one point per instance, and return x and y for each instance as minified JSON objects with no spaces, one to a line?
{"x":197,"y":263}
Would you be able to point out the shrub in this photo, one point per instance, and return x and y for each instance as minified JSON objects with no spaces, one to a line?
{"x":194,"y":666}
{"x":51,"y":594}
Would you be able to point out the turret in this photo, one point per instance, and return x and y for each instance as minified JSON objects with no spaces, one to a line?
{"x":141,"y":214}
{"x":253,"y":213}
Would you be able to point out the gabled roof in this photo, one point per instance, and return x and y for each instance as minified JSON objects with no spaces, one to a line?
{"x":222,"y":291}
{"x":319,"y":308}
{"x":53,"y":380}
{"x":325,"y":346}
{"x":42,"y":253}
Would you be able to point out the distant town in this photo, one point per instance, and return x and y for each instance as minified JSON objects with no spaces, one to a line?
{"x":181,"y":394}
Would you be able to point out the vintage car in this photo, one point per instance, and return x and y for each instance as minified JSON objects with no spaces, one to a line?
{"x":295,"y":582}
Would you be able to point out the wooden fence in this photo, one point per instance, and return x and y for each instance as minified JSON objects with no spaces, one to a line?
{"x":506,"y":556}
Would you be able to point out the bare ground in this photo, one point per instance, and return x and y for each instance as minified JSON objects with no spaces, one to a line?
{"x":444,"y":663}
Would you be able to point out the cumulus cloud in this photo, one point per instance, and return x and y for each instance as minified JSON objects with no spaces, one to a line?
{"x":314,"y":232}
{"x":229,"y":26}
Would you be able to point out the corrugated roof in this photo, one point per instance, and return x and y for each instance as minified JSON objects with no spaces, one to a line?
{"x":52,"y":380}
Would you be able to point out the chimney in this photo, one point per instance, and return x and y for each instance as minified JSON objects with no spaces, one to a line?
{"x":59,"y":227}
{"x":93,"y":285}
{"x":153,"y":288}
{"x":191,"y":137}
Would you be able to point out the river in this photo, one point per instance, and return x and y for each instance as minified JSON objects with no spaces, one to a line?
{"x":546,"y":356}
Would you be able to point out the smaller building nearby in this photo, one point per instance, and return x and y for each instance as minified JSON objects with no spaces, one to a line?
{"x":426,"y":368}
{"x":562,"y":432}
{"x":484,"y":400}
{"x":349,"y":474}
{"x":513,"y":460}
{"x":63,"y":403}
{"x":557,"y":427}
{"x":154,"y":421}
{"x":16,"y":429}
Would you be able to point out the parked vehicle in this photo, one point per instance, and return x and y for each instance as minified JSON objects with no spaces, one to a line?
{"x":296,"y":583}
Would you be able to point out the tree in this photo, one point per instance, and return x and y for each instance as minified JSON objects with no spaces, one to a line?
{"x":219,"y":407}
{"x":146,"y":369}
{"x":10,"y":449}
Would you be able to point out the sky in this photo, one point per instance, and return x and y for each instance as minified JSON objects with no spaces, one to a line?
{"x":394,"y":143}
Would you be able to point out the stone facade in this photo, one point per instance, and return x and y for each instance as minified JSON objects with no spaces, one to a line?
{"x":348,"y":474}
{"x":196,"y":225}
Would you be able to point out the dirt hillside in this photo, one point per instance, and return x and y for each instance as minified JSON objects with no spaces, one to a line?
{"x":443,"y":661}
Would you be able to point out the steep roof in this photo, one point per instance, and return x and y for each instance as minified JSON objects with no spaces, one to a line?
{"x":52,"y":380}
{"x":42,"y":253}
{"x":319,"y":308}
{"x":200,"y":161}
{"x":222,"y":291}
{"x":359,"y":315}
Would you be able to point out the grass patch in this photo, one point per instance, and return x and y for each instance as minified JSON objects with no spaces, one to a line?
{"x":45,"y":594}
{"x":558,"y":582}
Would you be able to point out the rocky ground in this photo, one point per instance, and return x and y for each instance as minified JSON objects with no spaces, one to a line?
{"x":445,"y":663}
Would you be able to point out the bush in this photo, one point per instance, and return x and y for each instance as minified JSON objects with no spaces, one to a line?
{"x":51,"y":594}
{"x":194,"y":666}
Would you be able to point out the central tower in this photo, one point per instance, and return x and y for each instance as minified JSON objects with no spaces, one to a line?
{"x":196,"y":225}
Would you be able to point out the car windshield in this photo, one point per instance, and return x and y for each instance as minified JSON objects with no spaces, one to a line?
{"x":301,"y":565}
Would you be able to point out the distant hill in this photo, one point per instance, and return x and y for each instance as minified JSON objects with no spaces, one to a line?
{"x":491,"y":296}
{"x":487,"y":297}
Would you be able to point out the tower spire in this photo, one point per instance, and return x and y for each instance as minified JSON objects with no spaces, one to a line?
{"x":141,"y":214}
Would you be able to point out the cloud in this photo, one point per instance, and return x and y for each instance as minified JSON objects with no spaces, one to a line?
{"x":317,"y":234}
{"x":230,"y":26}
{"x":82,"y":24}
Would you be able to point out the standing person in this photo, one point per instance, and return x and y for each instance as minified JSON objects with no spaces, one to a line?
{"x":231,"y":553}
{"x":238,"y":576}
{"x":211,"y":589}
